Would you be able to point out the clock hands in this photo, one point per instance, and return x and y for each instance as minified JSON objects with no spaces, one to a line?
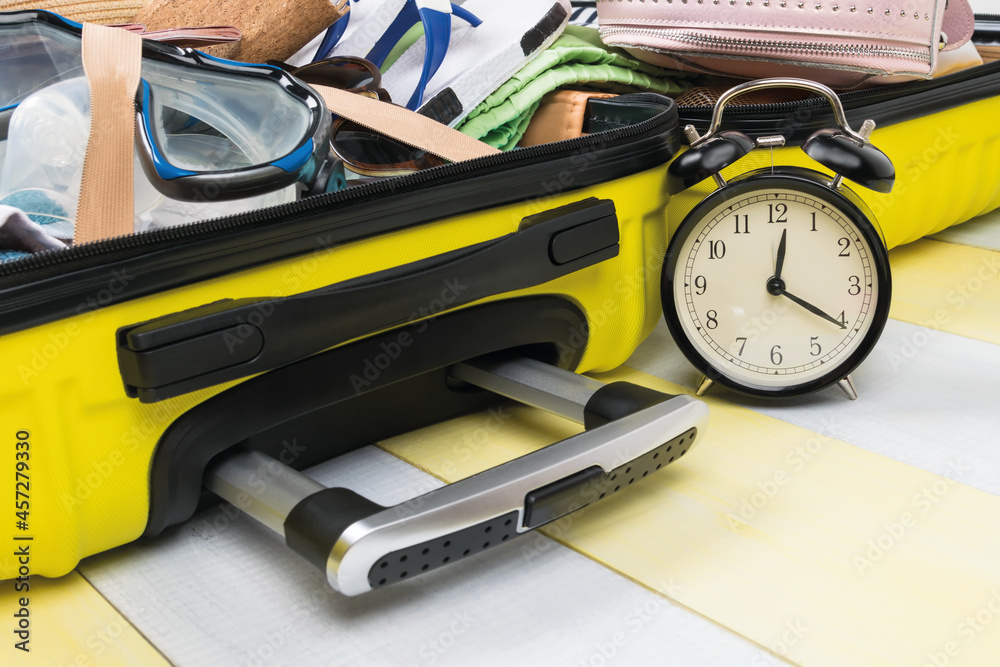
{"x":776,"y":286}
{"x":811,"y":308}
{"x":780,"y":259}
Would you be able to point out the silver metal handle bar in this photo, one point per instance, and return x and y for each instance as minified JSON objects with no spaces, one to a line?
{"x":632,"y":432}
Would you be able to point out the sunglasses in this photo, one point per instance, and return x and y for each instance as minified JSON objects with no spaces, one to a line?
{"x":355,"y":75}
{"x":361,"y":150}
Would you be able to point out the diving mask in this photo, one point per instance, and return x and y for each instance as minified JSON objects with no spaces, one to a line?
{"x":207,"y":129}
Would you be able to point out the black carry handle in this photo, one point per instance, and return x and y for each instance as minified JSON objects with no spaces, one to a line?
{"x":231,"y":339}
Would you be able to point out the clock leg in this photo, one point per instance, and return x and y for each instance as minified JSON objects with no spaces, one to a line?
{"x":704,"y":386}
{"x":847,"y":384}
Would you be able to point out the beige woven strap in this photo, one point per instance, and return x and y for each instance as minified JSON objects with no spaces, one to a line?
{"x":405,"y":125}
{"x":112,"y":60}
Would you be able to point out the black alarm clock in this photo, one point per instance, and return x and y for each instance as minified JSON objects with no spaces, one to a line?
{"x":777,"y":283}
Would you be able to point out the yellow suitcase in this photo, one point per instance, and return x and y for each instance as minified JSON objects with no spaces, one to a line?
{"x":132,"y":363}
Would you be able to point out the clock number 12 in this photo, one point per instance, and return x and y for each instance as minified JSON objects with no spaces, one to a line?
{"x":780,"y":209}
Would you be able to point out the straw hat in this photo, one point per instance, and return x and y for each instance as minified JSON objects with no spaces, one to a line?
{"x":93,"y":11}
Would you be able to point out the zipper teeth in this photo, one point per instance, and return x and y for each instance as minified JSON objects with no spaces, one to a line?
{"x":125,"y":247}
{"x":770,"y":46}
{"x":851,"y":100}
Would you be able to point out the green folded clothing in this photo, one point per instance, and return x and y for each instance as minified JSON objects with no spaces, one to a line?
{"x":579,"y":60}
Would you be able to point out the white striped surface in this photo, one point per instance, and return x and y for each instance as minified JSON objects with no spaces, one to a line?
{"x":223,"y":590}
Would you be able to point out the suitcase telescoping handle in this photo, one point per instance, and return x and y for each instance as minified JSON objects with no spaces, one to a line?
{"x":232,"y":339}
{"x":631,"y":432}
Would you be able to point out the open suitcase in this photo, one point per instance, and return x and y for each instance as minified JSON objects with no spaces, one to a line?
{"x":156,"y":352}
{"x":300,"y":332}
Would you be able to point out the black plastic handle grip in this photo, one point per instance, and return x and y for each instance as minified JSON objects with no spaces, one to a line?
{"x":232,"y":339}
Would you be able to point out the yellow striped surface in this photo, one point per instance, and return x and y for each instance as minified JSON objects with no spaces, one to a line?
{"x":820,"y":552}
{"x":816,"y":550}
{"x":69,"y":623}
{"x":948,"y":287}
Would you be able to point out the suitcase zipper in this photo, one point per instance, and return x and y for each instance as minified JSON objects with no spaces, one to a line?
{"x":132,"y":245}
{"x":887,"y":105}
{"x":742,"y":45}
{"x":987,"y":29}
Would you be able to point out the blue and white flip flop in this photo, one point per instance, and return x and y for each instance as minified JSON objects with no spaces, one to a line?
{"x":378,"y":27}
{"x":458,"y":63}
{"x":355,"y":34}
{"x":479,"y":58}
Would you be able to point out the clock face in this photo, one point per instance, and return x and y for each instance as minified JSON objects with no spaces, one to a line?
{"x":776,"y":286}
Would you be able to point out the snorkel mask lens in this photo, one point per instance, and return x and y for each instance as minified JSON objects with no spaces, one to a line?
{"x":219,"y":136}
{"x":34,"y":55}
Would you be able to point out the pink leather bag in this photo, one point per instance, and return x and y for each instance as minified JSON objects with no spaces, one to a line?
{"x":842,"y":43}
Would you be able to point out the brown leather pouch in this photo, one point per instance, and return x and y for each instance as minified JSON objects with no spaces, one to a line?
{"x":559,"y":116}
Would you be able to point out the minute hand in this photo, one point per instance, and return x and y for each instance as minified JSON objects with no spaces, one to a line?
{"x":813,"y":309}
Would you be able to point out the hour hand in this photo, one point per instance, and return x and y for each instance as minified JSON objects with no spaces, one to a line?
{"x":813,"y":309}
{"x":779,"y":261}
